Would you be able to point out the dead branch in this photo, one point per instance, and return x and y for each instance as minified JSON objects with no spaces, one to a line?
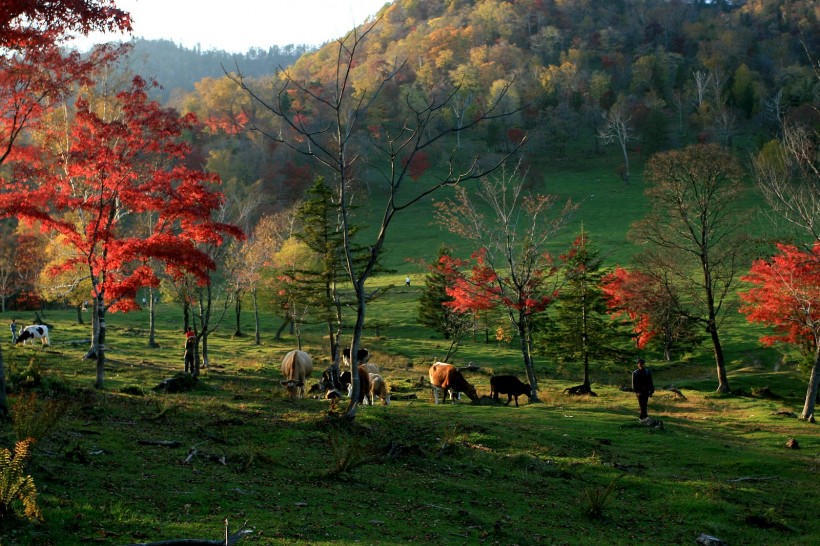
{"x":229,"y":540}
{"x":162,"y":443}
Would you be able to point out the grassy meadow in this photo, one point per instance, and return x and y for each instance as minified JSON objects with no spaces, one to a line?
{"x":129,"y":464}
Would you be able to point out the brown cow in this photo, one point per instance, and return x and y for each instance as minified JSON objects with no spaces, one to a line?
{"x":378,"y":387}
{"x":296,"y":367}
{"x":446,"y":377}
{"x":364,"y":383}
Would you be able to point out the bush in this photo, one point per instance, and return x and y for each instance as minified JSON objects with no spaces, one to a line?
{"x":32,"y":418}
{"x":16,"y":487}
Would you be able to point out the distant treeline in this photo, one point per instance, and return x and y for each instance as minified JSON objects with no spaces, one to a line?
{"x":177,"y":68}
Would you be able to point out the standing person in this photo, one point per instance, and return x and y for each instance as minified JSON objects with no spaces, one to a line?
{"x":189,"y":332}
{"x":642,"y":386}
{"x":13,"y":328}
{"x":407,"y":280}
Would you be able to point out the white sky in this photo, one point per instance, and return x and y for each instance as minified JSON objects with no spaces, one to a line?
{"x":237,"y":25}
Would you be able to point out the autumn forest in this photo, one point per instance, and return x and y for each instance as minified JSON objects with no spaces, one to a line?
{"x":462,"y":141}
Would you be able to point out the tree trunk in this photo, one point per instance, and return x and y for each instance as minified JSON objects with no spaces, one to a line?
{"x":238,"y":312}
{"x":256,"y":334}
{"x":152,"y":323}
{"x":354,"y":351}
{"x":99,"y":347}
{"x":186,"y":316}
{"x":723,"y":380}
{"x":626,"y":163}
{"x":4,"y":406}
{"x":281,"y":329}
{"x":80,"y":314}
{"x":811,"y":392}
{"x":524,"y":335}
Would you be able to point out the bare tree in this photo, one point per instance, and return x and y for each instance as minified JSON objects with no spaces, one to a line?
{"x":695,"y":221}
{"x":702,"y":80}
{"x":617,"y":128}
{"x":517,"y":273}
{"x":329,"y":125}
{"x":788,"y":175}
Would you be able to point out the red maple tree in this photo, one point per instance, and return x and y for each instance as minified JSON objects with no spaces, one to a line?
{"x":626,"y":295}
{"x":27,"y":23}
{"x":100,"y":170}
{"x":786,"y":296}
{"x":33,"y":72}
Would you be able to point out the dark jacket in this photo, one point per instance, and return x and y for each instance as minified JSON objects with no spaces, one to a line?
{"x":642,"y":381}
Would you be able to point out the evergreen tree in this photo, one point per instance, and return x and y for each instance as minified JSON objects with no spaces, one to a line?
{"x":317,"y":217}
{"x":581,"y":329}
{"x":433,"y":312}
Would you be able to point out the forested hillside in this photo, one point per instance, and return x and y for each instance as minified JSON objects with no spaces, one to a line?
{"x":672,"y":72}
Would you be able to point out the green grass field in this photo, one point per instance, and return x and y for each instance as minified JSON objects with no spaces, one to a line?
{"x":128,"y":464}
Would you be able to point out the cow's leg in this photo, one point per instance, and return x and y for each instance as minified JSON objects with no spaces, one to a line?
{"x":509,"y":399}
{"x":435,"y":395}
{"x":516,"y":400}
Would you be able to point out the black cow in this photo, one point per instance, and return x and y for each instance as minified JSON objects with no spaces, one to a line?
{"x":509,"y":385}
{"x":362,"y":354}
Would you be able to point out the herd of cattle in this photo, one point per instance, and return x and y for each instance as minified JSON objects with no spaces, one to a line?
{"x":445,"y":380}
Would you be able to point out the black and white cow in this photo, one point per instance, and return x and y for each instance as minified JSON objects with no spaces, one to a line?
{"x":35,"y":331}
{"x":363,"y":355}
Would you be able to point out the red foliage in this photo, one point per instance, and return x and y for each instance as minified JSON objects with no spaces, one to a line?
{"x":111,"y":171}
{"x":419,"y":163}
{"x":31,"y":81}
{"x":516,"y":135}
{"x":31,"y":23}
{"x":630,"y":293}
{"x":786,"y":295}
{"x":484,"y":289}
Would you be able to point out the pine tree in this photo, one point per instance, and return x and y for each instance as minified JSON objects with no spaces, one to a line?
{"x":432,"y":312}
{"x":581,"y":329}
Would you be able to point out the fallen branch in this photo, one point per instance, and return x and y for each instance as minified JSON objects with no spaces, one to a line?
{"x":193,"y":452}
{"x":753,"y":479}
{"x":162,"y":443}
{"x":229,"y":540}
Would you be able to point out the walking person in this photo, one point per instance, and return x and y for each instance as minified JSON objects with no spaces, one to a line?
{"x":407,"y":280}
{"x":642,"y":386}
{"x":13,"y":328}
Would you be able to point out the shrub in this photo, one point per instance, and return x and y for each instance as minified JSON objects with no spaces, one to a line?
{"x":32,"y":418}
{"x":16,"y":487}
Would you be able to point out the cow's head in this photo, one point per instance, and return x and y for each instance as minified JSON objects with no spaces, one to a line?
{"x":292,"y":386}
{"x":24,"y":335}
{"x":472,"y":393}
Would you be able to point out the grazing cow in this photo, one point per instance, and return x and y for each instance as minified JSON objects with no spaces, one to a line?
{"x":35,"y":331}
{"x":296,"y":367}
{"x":509,"y":385}
{"x":446,"y":377}
{"x":378,"y":387}
{"x":370,"y":367}
{"x":363,"y":355}
{"x":364,"y":383}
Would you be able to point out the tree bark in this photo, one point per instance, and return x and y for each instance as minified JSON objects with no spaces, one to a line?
{"x":524,"y":335}
{"x":99,"y":347}
{"x":4,"y":406}
{"x":152,"y":323}
{"x":256,"y":333}
{"x":811,"y":392}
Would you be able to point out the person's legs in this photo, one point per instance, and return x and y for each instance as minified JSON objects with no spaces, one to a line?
{"x":643,"y":400}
